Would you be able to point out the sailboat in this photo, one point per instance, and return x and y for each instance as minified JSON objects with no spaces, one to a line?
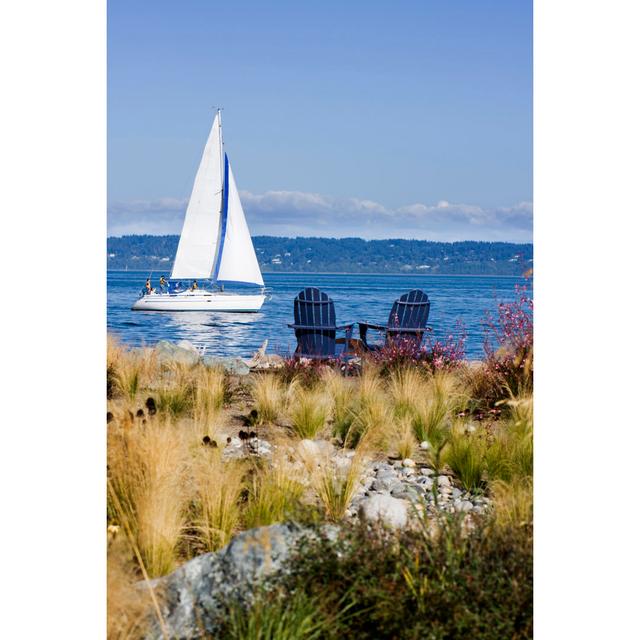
{"x":215,"y":244}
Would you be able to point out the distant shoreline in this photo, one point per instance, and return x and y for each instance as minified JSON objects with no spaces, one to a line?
{"x":344,"y":273}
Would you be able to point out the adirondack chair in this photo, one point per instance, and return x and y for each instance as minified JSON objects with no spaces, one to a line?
{"x":407,"y":321}
{"x":315,"y":326}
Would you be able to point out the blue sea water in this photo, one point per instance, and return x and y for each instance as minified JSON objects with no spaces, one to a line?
{"x":454,"y":300}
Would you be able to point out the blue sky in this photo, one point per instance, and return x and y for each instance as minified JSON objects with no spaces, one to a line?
{"x":376,"y":119}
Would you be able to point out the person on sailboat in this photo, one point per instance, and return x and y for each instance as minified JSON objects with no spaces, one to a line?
{"x":194,"y":286}
{"x":163,"y":284}
{"x":148,"y":285}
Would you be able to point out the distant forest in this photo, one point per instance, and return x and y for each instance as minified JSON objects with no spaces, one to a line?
{"x":331,"y":255}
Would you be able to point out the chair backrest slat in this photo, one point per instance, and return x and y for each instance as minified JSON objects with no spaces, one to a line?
{"x":410,"y":311}
{"x":314,"y":309}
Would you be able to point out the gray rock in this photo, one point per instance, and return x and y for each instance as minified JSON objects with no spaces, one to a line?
{"x":456,"y":493}
{"x":255,"y":447}
{"x":426,"y":471}
{"x":387,"y":509}
{"x":463,"y":505}
{"x":187,"y":346}
{"x":234,"y":366}
{"x":443,"y":481}
{"x":407,"y":492}
{"x":166,"y":351}
{"x":397,"y":486}
{"x":193,"y":595}
{"x":425,"y":482}
{"x":382,"y":484}
{"x":386,"y":474}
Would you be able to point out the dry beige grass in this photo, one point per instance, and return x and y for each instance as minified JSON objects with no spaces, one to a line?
{"x":513,"y":502}
{"x":131,"y":370}
{"x":405,"y":439}
{"x":434,"y":411}
{"x":268,"y":393}
{"x":336,"y":486}
{"x":407,"y":387}
{"x":275,"y":492}
{"x":309,"y":410}
{"x":218,"y":486}
{"x":340,"y":390}
{"x":147,"y":468}
{"x":210,"y":388}
{"x":129,"y":608}
{"x":371,"y":414}
{"x":342,"y":393}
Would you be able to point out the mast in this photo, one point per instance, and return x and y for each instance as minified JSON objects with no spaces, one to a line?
{"x":223,"y":194}
{"x":221,"y":154}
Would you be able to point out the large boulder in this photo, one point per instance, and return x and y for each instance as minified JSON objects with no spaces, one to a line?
{"x":193,"y":596}
{"x":168,"y":352}
{"x":234,"y":366}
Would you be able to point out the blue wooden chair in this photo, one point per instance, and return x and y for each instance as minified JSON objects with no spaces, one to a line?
{"x":315,"y":326}
{"x":407,"y":321}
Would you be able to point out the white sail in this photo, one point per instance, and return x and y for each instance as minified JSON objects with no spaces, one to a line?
{"x":200,"y":231}
{"x":236,"y":260}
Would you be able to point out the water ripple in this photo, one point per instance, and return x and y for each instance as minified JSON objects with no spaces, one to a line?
{"x":357,"y":297}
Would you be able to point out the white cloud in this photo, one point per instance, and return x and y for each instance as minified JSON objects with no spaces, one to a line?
{"x":291,"y":213}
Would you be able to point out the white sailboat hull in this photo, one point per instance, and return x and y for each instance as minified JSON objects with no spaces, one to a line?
{"x":200,"y":301}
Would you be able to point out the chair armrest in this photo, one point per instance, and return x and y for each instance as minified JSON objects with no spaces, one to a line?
{"x":342,"y":327}
{"x":364,"y":326}
{"x":408,"y":329}
{"x":369,"y":325}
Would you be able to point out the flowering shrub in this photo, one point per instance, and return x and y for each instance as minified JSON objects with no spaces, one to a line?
{"x":444,"y":355}
{"x":434,"y":355}
{"x":511,"y":361}
{"x":305,"y":370}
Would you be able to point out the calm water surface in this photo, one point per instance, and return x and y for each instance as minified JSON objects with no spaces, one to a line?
{"x":357,"y":297}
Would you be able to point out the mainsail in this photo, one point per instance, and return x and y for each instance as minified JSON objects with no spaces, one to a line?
{"x":215,"y":240}
{"x":200,"y":230}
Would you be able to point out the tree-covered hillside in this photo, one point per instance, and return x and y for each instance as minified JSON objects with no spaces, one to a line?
{"x":341,"y":255}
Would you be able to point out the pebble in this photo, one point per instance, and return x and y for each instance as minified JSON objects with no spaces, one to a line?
{"x":408,"y":462}
{"x":392,"y":511}
{"x":424,"y":445}
{"x":425,"y":482}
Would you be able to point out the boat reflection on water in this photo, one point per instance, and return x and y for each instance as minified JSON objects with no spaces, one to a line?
{"x":213,"y":330}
